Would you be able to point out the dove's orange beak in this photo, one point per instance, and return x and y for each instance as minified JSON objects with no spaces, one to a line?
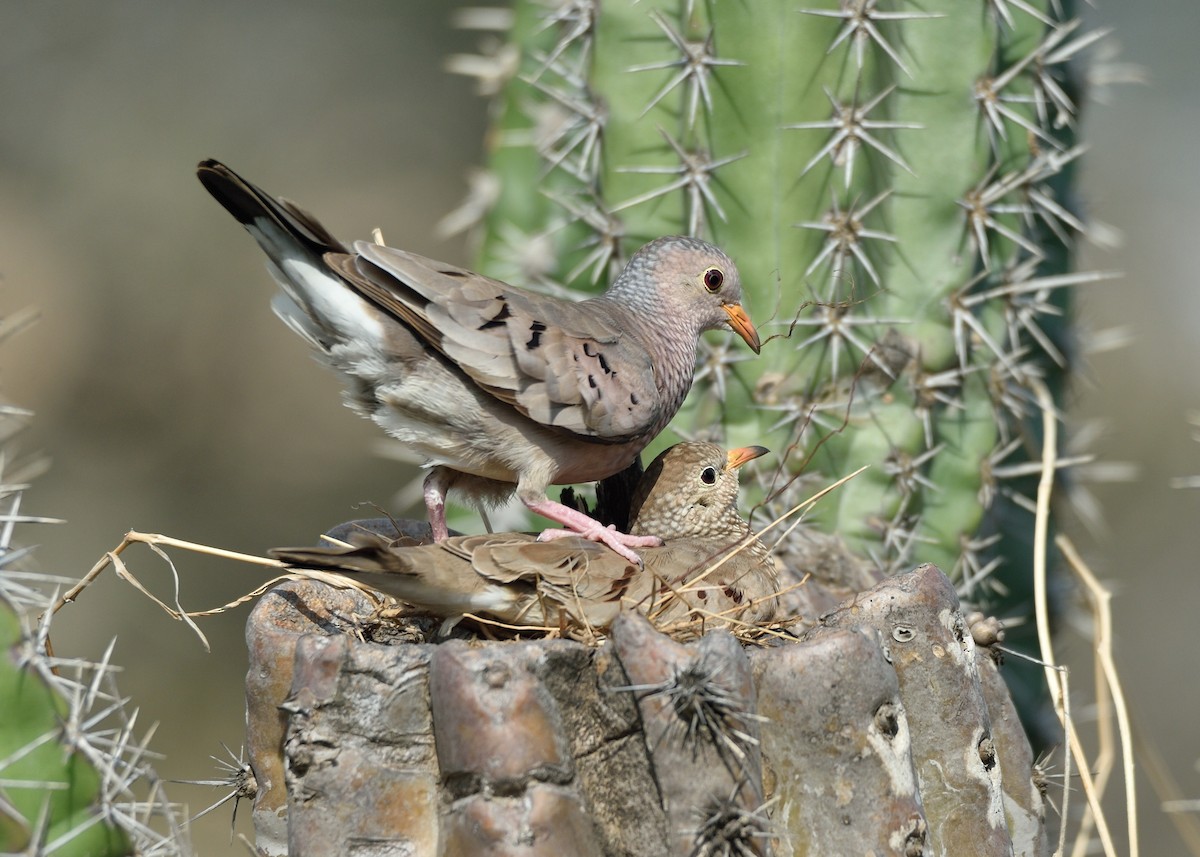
{"x":735,"y":458}
{"x":741,"y":323}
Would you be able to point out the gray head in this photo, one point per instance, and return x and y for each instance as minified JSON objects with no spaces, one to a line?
{"x":681,"y":278}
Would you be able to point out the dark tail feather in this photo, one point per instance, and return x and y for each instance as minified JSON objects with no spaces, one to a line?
{"x":248,"y":203}
{"x":360,"y":559}
{"x":368,"y":551}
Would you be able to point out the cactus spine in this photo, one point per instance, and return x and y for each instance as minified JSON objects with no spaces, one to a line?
{"x":74,"y":772}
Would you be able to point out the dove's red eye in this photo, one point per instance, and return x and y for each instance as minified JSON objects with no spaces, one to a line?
{"x":708,"y":475}
{"x":713,"y":279}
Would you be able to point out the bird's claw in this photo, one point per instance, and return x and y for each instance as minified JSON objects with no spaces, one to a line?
{"x":618,"y":542}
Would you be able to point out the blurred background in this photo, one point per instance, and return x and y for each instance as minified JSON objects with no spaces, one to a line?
{"x":171,"y":400}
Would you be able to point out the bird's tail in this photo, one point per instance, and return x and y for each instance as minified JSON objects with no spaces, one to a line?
{"x":410,"y":575}
{"x":315,"y":303}
{"x":370,"y":558}
{"x":280,"y":227}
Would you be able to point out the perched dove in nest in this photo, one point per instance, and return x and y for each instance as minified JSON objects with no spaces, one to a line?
{"x":710,"y":571}
{"x":495,"y":386}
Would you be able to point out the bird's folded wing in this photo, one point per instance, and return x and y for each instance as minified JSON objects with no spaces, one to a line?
{"x":581,"y":574}
{"x":562,"y":364}
{"x":587,"y":568}
{"x":575,"y":578}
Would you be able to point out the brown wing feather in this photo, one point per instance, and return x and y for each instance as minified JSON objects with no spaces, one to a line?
{"x":564,"y":365}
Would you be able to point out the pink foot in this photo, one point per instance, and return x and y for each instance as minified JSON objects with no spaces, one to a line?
{"x":580,"y":524}
{"x":435,"y":487}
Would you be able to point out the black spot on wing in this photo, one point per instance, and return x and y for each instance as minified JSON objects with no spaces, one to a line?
{"x":590,"y":350}
{"x":536,"y":330}
{"x":449,"y":273}
{"x":633,"y":399}
{"x":499,"y":318}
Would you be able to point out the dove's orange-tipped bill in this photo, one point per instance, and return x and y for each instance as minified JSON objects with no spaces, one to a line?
{"x":737,"y":457}
{"x":741,"y":324}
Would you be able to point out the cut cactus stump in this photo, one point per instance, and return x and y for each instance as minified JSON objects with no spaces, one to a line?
{"x":881,"y":730}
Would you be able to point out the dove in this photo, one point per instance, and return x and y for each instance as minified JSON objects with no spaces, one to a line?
{"x":498,"y":389}
{"x":711,"y":569}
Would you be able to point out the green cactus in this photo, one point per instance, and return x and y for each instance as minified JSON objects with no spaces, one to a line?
{"x":50,"y":790}
{"x":893,"y":182}
{"x":74,"y":776}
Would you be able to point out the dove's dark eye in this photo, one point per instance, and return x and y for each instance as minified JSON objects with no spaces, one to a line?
{"x":708,"y":475}
{"x":713,"y":279}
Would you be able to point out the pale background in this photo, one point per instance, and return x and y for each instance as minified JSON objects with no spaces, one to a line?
{"x":172,"y":401}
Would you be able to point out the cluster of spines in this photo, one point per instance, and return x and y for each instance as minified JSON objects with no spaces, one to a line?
{"x":709,"y":713}
{"x":590,"y":173}
{"x":727,"y":828}
{"x":75,"y":770}
{"x":904,"y":208}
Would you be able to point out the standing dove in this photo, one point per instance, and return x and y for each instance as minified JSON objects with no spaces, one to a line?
{"x":495,"y":386}
{"x":711,"y":569}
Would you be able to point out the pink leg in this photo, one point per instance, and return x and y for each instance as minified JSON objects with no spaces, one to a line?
{"x":437,"y":483}
{"x":580,"y":524}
